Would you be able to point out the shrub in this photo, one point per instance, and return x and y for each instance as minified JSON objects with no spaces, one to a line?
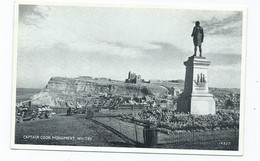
{"x":182,"y":121}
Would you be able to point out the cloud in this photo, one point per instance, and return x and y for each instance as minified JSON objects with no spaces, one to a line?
{"x":118,"y":48}
{"x":134,"y":44}
{"x":32,"y":12}
{"x":167,"y":51}
{"x":231,"y":25}
{"x":224,"y":59}
{"x":108,"y":42}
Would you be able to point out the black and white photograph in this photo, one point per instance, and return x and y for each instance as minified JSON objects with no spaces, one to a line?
{"x":130,"y":78}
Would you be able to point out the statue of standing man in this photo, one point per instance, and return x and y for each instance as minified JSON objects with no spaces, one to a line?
{"x":198,"y":36}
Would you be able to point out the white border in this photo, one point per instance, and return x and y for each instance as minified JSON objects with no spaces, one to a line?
{"x":133,"y":150}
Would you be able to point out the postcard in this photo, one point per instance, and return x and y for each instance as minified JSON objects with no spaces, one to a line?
{"x":129,"y":78}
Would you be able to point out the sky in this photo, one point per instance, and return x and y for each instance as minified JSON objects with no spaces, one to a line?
{"x":72,"y":41}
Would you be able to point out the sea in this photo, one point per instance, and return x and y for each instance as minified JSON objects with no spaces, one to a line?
{"x":23,"y":94}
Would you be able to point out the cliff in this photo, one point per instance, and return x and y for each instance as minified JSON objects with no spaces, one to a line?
{"x":82,"y":90}
{"x":85,"y":90}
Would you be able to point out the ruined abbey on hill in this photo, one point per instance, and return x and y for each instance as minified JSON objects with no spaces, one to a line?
{"x":134,"y":78}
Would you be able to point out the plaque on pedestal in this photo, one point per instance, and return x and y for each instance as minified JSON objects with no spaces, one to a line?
{"x":196,"y":98}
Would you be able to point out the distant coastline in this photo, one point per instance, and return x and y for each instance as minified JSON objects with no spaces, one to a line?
{"x":23,"y":94}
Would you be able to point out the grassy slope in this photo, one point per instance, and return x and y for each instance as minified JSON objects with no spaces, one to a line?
{"x":77,"y":126}
{"x":72,"y":126}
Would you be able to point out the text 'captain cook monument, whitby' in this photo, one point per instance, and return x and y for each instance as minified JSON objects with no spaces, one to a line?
{"x":196,"y":98}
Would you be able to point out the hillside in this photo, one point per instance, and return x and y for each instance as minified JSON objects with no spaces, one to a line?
{"x":86,"y":90}
{"x":59,"y":90}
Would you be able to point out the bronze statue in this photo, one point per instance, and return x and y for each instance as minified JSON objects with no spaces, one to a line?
{"x":198,"y":36}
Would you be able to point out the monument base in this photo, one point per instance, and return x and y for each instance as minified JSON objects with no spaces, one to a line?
{"x":196,"y":98}
{"x":197,"y":104}
{"x":202,"y":105}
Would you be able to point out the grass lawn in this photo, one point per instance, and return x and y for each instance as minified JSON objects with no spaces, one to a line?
{"x":77,"y":131}
{"x":204,"y":140}
{"x":203,"y":145}
{"x":210,"y":140}
{"x":66,"y":130}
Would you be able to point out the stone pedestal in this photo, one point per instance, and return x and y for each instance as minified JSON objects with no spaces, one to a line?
{"x":196,"y":98}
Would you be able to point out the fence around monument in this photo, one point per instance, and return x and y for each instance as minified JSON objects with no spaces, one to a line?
{"x":134,"y":132}
{"x":130,"y":130}
{"x":195,"y":136}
